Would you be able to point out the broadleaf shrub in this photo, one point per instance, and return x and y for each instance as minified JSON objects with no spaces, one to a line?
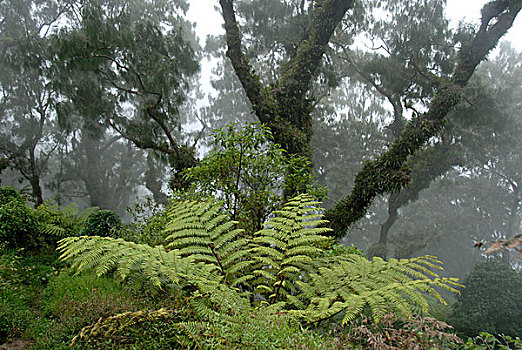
{"x":18,"y":222}
{"x":105,"y":223}
{"x":491,"y":301}
{"x":250,"y":174}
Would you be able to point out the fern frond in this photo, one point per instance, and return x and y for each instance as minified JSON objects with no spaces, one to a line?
{"x":200,"y":230}
{"x":286,"y":247}
{"x":53,"y":230}
{"x":63,"y":221}
{"x":105,"y":254}
{"x":398,"y":286}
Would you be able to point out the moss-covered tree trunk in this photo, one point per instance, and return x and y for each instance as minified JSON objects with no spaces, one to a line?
{"x":286,"y":106}
{"x":389,"y":173}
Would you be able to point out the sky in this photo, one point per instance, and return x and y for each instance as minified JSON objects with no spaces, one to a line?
{"x":208,"y":20}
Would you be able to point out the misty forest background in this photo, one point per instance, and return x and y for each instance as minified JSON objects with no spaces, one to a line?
{"x":407,"y":131}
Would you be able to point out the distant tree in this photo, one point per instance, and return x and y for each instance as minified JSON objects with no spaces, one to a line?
{"x":26,"y":108}
{"x":127,"y":65}
{"x":107,"y":167}
{"x":500,"y":162}
{"x":54,"y":145}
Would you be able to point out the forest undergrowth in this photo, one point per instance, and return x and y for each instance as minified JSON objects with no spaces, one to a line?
{"x":189,"y":276}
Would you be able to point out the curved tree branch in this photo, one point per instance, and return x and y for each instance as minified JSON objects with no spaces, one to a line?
{"x":242,"y":67}
{"x":389,"y":173}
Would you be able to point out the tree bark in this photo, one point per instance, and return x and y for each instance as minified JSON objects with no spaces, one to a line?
{"x":389,"y":173}
{"x":285,"y":106}
{"x":153,"y":183}
{"x":393,"y":211}
{"x":513,"y":218}
{"x":34,"y":180}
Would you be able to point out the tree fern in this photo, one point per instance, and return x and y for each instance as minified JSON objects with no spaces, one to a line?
{"x":286,"y":247}
{"x":284,"y":264}
{"x":65,"y":221}
{"x":129,"y":260}
{"x":202,"y":231}
{"x":351,"y":285}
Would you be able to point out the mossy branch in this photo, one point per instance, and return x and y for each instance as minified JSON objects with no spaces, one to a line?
{"x":389,"y":173}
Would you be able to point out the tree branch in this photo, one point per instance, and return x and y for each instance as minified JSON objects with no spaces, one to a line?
{"x":242,"y":67}
{"x":140,"y":143}
{"x":388,"y":173}
{"x":397,"y":124}
{"x":299,"y":71}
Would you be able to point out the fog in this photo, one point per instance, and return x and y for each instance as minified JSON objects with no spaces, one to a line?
{"x":107,"y":104}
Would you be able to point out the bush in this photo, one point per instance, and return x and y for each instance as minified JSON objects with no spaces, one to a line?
{"x":491,"y":301}
{"x":18,"y":222}
{"x":486,"y":341}
{"x":250,"y":174}
{"x":394,"y":332}
{"x":102,"y":223}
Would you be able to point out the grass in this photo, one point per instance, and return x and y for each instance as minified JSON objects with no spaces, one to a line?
{"x":42,"y":302}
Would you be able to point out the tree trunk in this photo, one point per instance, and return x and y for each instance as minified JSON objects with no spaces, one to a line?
{"x":513,"y":218}
{"x":153,"y":183}
{"x":34,"y":178}
{"x":285,"y":106}
{"x":392,"y":217}
{"x":92,"y":172}
{"x":36,"y":189}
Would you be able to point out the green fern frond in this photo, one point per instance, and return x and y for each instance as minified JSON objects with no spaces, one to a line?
{"x":200,"y":230}
{"x":128,"y":259}
{"x":286,"y":247}
{"x":63,"y":221}
{"x":280,"y":264}
{"x":53,"y":230}
{"x":398,"y":286}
